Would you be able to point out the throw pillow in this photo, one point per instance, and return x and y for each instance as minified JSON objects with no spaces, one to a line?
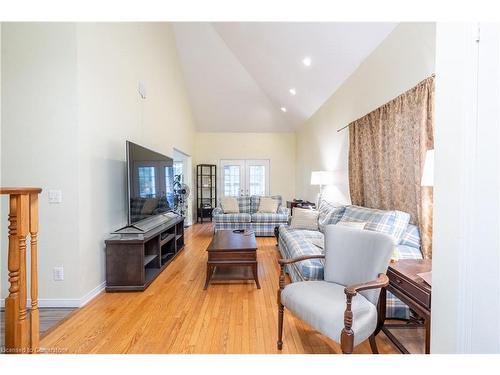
{"x":304,"y":219}
{"x":268,"y":205}
{"x":230,"y":205}
{"x":149,"y":206}
{"x":352,"y":224}
{"x":329,"y":213}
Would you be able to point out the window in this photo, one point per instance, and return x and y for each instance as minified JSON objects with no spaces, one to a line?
{"x":257,"y":180}
{"x":231,"y":180}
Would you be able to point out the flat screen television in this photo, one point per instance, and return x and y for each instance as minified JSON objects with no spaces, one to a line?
{"x":150,"y":177}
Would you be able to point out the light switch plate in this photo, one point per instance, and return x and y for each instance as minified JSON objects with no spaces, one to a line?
{"x":55,"y":196}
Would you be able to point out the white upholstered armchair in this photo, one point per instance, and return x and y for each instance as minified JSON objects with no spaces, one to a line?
{"x":343,"y":306}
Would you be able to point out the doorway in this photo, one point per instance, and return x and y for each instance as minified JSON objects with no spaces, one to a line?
{"x":182,"y":169}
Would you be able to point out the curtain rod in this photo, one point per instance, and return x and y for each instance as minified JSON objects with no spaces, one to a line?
{"x":433,"y":75}
{"x":344,"y":127}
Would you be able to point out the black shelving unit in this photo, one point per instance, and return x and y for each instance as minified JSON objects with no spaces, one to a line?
{"x":206,"y":186}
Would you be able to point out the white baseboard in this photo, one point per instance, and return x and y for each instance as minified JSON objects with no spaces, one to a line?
{"x":92,"y":294}
{"x":71,"y":302}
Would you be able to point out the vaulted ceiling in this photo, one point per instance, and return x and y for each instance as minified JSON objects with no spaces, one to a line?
{"x":239,"y":75}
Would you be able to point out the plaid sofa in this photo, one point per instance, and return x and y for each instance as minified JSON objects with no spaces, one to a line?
{"x":297,"y":242}
{"x":262,"y":224}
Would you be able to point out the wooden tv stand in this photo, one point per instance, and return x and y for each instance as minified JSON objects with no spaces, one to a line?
{"x":132,"y":263}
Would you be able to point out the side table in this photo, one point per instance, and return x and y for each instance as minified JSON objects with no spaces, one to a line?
{"x":411,"y":290}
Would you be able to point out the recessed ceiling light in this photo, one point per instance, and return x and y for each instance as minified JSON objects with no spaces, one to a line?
{"x":292,"y":91}
{"x":283,"y":109}
{"x":307,"y":61}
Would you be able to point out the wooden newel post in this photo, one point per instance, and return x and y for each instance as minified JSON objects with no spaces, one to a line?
{"x":35,"y":319}
{"x":23,"y":218}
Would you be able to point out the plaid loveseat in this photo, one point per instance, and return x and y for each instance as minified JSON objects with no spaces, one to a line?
{"x":297,"y":242}
{"x":262,"y":224}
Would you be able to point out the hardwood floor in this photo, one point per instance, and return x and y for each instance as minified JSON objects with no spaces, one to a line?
{"x":175,"y":314}
{"x":49,"y":318}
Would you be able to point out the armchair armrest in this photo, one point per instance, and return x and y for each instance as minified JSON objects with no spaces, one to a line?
{"x":284,"y":262}
{"x":381,"y":282}
{"x":347,"y":335}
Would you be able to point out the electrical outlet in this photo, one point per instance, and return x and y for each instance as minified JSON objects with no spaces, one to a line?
{"x":58,"y":273}
{"x":55,"y":196}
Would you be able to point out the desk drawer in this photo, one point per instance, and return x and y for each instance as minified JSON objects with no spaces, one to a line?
{"x":416,"y":293}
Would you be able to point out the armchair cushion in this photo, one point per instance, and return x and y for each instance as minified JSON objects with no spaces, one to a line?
{"x":322,"y":304}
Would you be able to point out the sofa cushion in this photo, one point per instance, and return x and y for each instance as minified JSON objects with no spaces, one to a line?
{"x":255,"y":202}
{"x":268,"y":205}
{"x":329,"y":213}
{"x":269,"y":218}
{"x":244,"y":204}
{"x":234,"y":218}
{"x":411,"y":236}
{"x":229,"y":205}
{"x":303,"y":218}
{"x":393,"y":223}
{"x":297,"y":242}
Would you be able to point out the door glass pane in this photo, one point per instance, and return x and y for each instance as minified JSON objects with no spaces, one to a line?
{"x":231,"y":180}
{"x":257,"y":183}
{"x":147,"y":182}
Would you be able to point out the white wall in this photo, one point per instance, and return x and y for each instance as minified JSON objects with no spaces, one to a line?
{"x":279,"y":148}
{"x":69,"y":102}
{"x":39,"y":141}
{"x":402,"y":60}
{"x":466,"y":251}
{"x":112,"y":58}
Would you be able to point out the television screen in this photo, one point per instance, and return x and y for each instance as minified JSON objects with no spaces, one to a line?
{"x":150,"y":183}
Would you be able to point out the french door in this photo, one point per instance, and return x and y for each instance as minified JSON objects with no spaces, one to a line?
{"x":244,"y":177}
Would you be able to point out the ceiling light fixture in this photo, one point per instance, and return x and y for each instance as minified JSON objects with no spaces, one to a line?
{"x":283,"y":109}
{"x":307,"y":61}
{"x":292,"y":91}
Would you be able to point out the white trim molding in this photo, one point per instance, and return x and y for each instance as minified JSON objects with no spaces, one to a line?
{"x":466,"y":260}
{"x":66,"y":303}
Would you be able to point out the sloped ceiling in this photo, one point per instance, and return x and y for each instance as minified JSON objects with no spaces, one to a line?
{"x":238,"y":75}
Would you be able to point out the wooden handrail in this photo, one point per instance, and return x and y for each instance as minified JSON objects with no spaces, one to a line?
{"x":23,"y":219}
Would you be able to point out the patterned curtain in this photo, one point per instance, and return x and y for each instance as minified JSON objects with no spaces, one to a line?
{"x":387,"y":150}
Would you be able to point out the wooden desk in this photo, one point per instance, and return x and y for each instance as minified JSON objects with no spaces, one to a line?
{"x":411,"y":290}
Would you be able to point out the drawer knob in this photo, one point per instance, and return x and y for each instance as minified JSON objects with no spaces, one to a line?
{"x":398,"y":281}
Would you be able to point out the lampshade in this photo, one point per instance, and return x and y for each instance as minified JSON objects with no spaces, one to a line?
{"x":321,"y":178}
{"x":428,"y":173}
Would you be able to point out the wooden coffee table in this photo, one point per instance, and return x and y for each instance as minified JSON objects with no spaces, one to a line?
{"x":232,"y":250}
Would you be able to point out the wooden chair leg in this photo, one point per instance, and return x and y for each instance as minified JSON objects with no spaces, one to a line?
{"x":373,"y":344}
{"x":281,"y":310}
{"x":347,"y":341}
